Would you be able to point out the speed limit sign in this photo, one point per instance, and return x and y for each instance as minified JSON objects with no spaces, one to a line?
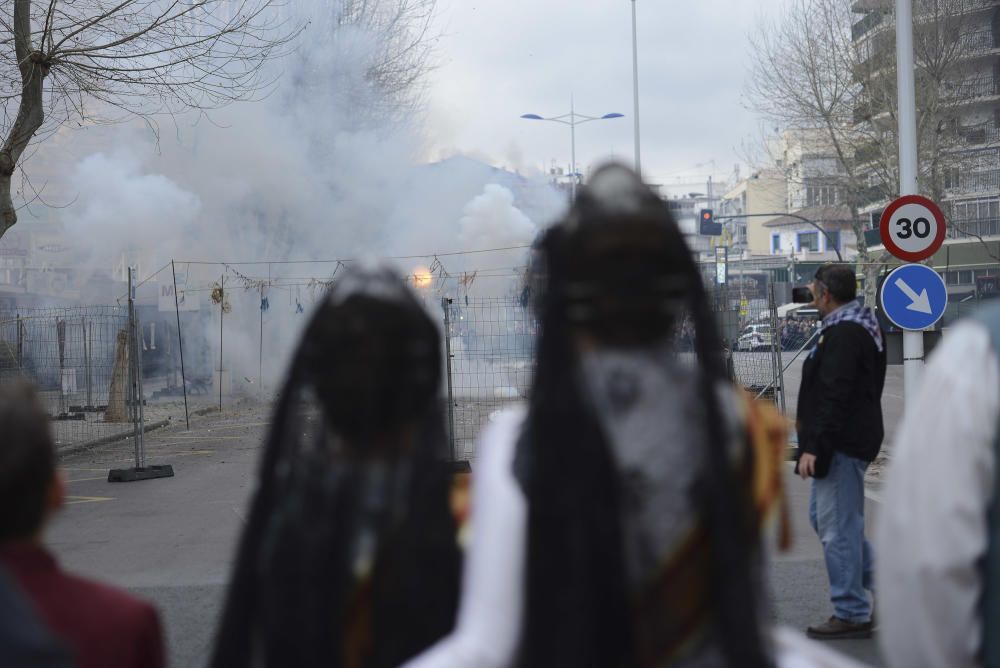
{"x":912,"y":228}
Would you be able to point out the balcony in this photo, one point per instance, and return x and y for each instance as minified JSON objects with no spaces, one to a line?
{"x":871,"y":21}
{"x":964,"y":229}
{"x":977,"y":43}
{"x":978,"y":135}
{"x":970,"y":89}
{"x":879,"y":13}
{"x":968,"y":183}
{"x":923,"y":8}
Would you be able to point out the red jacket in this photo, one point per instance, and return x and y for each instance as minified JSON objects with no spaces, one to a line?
{"x":104,"y":627}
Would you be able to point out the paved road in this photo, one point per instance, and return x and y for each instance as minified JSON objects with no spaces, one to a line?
{"x":172,"y":540}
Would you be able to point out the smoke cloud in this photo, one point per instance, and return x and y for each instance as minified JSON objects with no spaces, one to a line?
{"x":322,"y":169}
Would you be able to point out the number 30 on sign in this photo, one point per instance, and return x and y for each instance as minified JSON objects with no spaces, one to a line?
{"x":912,"y":228}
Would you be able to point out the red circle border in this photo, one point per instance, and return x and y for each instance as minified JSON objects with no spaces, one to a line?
{"x":883,"y":225}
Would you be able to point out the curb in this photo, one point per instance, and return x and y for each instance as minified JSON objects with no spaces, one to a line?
{"x":104,"y":440}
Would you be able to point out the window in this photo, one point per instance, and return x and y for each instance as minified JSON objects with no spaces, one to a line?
{"x":808,"y":241}
{"x":963,"y":277}
{"x":951,"y":177}
{"x":775,"y":244}
{"x":817,"y":195}
{"x":832,"y":240}
{"x":873,"y":219}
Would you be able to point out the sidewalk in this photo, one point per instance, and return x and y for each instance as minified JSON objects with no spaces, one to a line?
{"x":798,"y":578}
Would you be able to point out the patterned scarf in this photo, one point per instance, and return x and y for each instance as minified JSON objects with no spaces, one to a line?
{"x":862,"y":315}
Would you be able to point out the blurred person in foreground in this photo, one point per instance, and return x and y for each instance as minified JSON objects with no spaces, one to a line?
{"x":350,"y":555}
{"x":101,"y":627}
{"x":938,"y":531}
{"x":616,"y":520}
{"x":840,"y":432}
{"x":24,"y":641}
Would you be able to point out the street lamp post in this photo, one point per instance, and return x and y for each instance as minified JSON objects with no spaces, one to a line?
{"x":572,"y":119}
{"x":635,"y":89}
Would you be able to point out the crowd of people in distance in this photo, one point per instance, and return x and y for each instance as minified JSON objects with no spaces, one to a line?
{"x":794,"y":333}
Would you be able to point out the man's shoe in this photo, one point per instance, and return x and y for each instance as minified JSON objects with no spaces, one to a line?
{"x":838,"y":629}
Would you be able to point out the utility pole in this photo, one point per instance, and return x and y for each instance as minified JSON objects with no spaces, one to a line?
{"x":635,"y":88}
{"x":572,"y":142}
{"x":913,"y":341}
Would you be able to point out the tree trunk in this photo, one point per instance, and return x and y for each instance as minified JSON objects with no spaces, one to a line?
{"x":34,"y":66}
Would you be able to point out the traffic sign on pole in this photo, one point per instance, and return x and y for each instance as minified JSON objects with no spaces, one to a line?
{"x":913,"y":297}
{"x":912,"y":228}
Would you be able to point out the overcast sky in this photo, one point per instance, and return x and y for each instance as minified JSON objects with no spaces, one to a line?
{"x":503,"y":58}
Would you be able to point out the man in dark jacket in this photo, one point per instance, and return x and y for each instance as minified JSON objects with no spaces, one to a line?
{"x":840,"y":433}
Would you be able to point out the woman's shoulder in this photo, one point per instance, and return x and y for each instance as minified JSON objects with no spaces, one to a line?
{"x":497,"y":442}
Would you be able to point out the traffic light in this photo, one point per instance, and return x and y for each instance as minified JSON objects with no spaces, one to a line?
{"x":707,"y":224}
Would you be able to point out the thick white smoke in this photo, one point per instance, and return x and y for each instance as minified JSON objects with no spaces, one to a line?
{"x":317,"y":171}
{"x":492,"y":221}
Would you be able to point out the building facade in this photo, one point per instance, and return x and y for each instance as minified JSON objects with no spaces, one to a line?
{"x":966,"y":182}
{"x":755,"y":200}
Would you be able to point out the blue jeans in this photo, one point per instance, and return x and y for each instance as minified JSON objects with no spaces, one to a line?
{"x":837,"y":514}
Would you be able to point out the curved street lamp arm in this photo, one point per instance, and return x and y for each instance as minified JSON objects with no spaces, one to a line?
{"x":573,"y":118}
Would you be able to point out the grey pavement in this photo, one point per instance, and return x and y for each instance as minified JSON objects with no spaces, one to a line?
{"x":800,"y":592}
{"x":172,"y":540}
{"x":169,"y":540}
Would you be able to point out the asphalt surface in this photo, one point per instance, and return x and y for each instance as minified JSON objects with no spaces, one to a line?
{"x":169,"y":540}
{"x":800,"y":590}
{"x":172,"y":540}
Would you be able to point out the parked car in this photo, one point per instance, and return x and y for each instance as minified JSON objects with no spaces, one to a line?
{"x":755,"y":337}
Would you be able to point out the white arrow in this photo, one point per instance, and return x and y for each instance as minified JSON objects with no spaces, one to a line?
{"x":921,"y":303}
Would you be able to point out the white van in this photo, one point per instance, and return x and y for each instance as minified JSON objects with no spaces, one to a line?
{"x":755,"y":337}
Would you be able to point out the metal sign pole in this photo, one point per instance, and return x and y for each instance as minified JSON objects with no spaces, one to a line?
{"x":180,"y":346}
{"x":913,"y":342}
{"x":140,"y":343}
{"x":133,"y":382}
{"x":134,"y":399}
{"x":222,"y":315}
{"x":446,"y":306}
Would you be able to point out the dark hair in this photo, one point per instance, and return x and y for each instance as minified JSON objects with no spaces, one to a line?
{"x":618,"y":269}
{"x":27,"y":460}
{"x":839,"y":280}
{"x":370,"y":360}
{"x":375,"y":364}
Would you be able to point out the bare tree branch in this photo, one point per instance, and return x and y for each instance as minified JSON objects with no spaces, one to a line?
{"x":78,"y":60}
{"x":808,"y":71}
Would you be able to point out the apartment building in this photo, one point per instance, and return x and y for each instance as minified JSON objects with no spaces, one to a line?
{"x":967,"y":183}
{"x":761,"y":197}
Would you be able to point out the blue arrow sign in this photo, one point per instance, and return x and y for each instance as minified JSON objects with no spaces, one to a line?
{"x":914,"y":296}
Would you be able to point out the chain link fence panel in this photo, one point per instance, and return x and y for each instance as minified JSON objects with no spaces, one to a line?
{"x":491,"y":342}
{"x":78,"y":359}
